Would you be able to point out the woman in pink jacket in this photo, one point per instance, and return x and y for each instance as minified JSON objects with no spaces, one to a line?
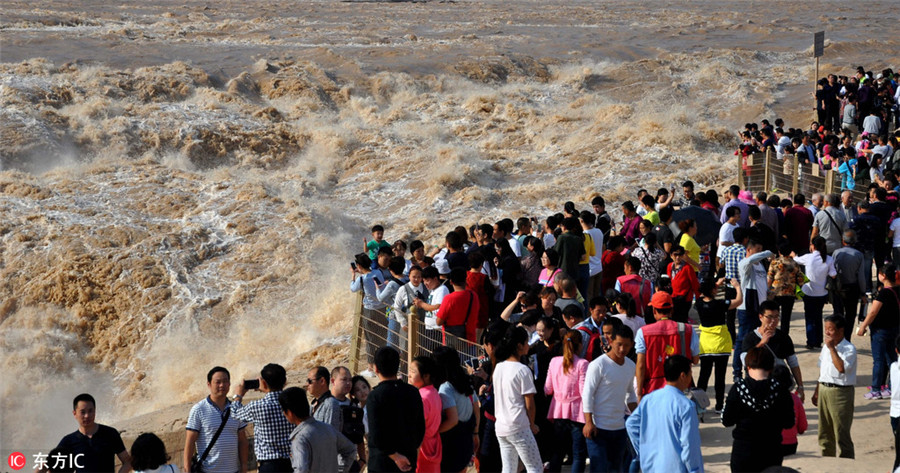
{"x":421,"y":375}
{"x":565,"y":380}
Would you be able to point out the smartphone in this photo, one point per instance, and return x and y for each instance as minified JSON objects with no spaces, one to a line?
{"x":251,"y":384}
{"x":377,"y":281}
{"x":353,"y":266}
{"x":475,"y":363}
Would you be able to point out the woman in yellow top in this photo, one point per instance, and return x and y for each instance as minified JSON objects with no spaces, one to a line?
{"x":715,"y":341}
{"x":691,"y":249}
{"x":584,"y":267}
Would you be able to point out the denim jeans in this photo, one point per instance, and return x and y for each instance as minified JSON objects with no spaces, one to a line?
{"x":568,"y":428}
{"x":812,"y":308}
{"x":747,"y":322}
{"x":393,"y":335}
{"x":883,"y":354}
{"x":607,"y":451}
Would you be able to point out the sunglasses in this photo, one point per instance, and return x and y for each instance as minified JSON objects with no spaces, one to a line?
{"x":311,"y":381}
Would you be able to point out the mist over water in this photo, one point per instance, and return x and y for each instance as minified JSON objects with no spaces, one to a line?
{"x":182,"y":184}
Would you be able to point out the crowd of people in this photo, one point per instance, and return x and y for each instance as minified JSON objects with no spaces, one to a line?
{"x":589,"y":327}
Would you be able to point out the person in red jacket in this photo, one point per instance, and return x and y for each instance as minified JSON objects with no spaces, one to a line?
{"x":477,"y":282}
{"x":458,"y":314}
{"x":684,"y":285}
{"x":660,"y":340}
{"x":613,"y":262}
{"x":640,"y":289}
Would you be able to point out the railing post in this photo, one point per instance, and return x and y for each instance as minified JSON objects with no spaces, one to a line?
{"x":795,"y":177}
{"x":766,"y":178}
{"x":740,"y":170}
{"x":355,"y":341}
{"x":412,"y":338}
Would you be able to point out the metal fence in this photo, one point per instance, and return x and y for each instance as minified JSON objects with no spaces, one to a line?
{"x":765,"y":172}
{"x":372,"y":330}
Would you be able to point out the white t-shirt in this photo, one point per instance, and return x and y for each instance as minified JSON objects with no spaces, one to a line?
{"x":435,"y":297}
{"x":596,"y":262}
{"x":895,"y":227}
{"x":512,"y":381}
{"x":726,"y":234}
{"x":895,"y":389}
{"x":634,"y":323}
{"x":515,"y":245}
{"x":608,"y":387}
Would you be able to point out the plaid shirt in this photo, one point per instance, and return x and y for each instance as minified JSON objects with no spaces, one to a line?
{"x":271,"y":429}
{"x":731,"y":256}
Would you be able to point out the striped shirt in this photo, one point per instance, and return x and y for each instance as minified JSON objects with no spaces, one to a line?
{"x":271,"y":429}
{"x":205,"y":419}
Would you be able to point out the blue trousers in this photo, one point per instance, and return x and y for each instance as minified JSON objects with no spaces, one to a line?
{"x":747,"y":322}
{"x":883,"y":354}
{"x":607,"y":451}
{"x":812,"y":308}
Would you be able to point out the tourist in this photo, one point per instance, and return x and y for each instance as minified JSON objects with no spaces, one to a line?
{"x":819,"y":266}
{"x":315,"y":446}
{"x":422,"y":372}
{"x":664,"y":429}
{"x":715,"y":340}
{"x":834,"y":391}
{"x":148,"y":455}
{"x":396,"y":418}
{"x":608,"y":383}
{"x":760,"y":408}
{"x":271,"y":430}
{"x":514,"y":404}
{"x":883,"y":322}
{"x":565,"y":381}
{"x":229,"y":452}
{"x":98,"y":444}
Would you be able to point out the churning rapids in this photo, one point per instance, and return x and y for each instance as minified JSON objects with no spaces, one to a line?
{"x":182,"y":183}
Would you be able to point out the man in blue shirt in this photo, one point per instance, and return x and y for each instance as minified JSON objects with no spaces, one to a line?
{"x":664,"y":430}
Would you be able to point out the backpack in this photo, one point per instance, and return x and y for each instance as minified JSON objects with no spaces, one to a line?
{"x":353,"y":427}
{"x":594,"y":344}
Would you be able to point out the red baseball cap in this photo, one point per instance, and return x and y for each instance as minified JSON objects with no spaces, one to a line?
{"x":661,"y":300}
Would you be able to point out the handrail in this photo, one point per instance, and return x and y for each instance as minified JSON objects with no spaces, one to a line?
{"x":371,"y":330}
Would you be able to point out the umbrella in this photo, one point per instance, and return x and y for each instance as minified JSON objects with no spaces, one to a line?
{"x":707,"y":223}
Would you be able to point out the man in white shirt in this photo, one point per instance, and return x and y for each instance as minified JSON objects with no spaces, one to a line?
{"x":608,"y":388}
{"x":834,"y":392}
{"x":726,"y":231}
{"x":436,"y":293}
{"x":588,"y":219}
{"x":782,"y":141}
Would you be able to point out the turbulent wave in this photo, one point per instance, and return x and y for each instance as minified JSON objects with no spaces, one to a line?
{"x":158,"y":220}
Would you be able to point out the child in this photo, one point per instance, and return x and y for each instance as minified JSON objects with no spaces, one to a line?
{"x":895,"y":404}
{"x":421,"y":375}
{"x":378,"y":241}
{"x":789,"y":436}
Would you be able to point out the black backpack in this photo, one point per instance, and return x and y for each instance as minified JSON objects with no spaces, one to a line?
{"x":353,"y":427}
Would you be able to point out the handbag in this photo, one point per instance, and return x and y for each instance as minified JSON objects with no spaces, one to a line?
{"x":197,"y":463}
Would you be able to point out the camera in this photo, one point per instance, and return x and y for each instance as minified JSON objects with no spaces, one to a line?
{"x":419,"y":295}
{"x":251,"y":384}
